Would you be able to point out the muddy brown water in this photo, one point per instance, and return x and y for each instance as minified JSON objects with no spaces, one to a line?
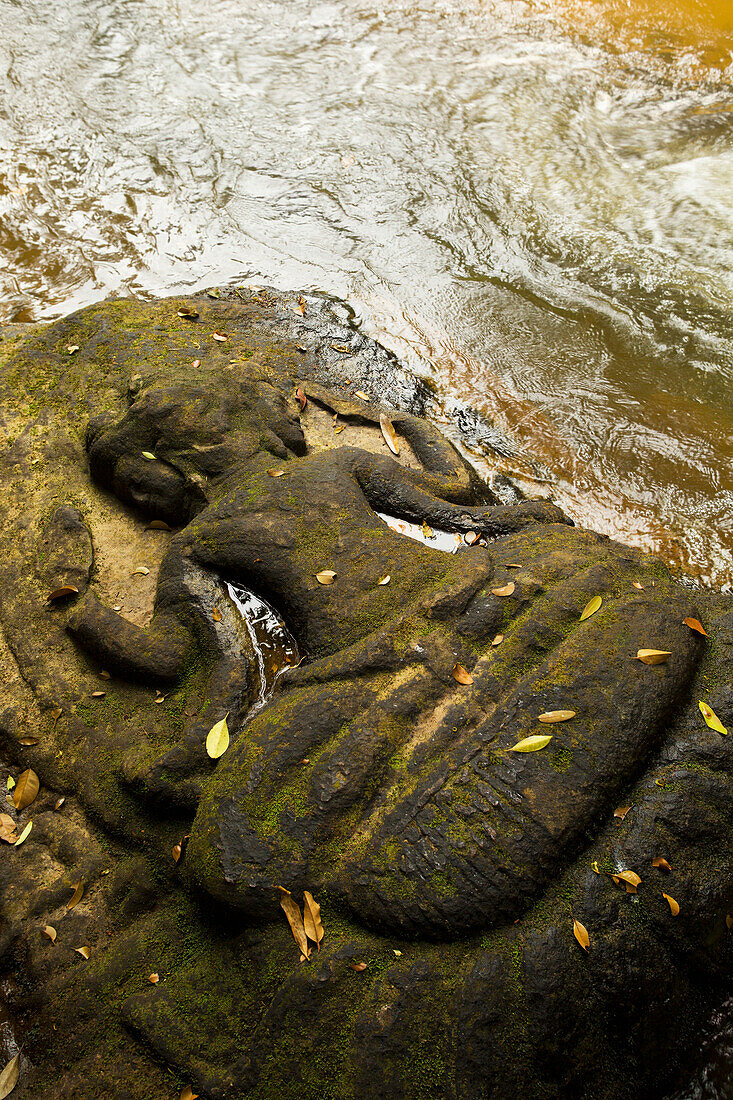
{"x":530,"y":202}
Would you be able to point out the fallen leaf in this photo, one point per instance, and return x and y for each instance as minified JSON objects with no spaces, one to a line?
{"x":581,"y":934}
{"x":24,"y":835}
{"x":9,"y":1076}
{"x":621,"y":812}
{"x":507,"y":590}
{"x":142,"y":571}
{"x":196,"y":364}
{"x":72,"y":349}
{"x":220,"y":337}
{"x":595,"y":867}
{"x":98,"y":694}
{"x":729,"y":921}
{"x":696,"y":625}
{"x":390,"y":436}
{"x":213,"y":293}
{"x":59,"y":802}
{"x":295,"y":920}
{"x":556,"y":716}
{"x":712,"y":719}
{"x":275,"y":473}
{"x":532,"y":744}
{"x":188,"y":313}
{"x":158,"y":525}
{"x":591,"y":607}
{"x":153,"y":978}
{"x":498,"y":639}
{"x":630,"y":879}
{"x":217,"y":741}
{"x":77,"y":895}
{"x":471,"y":538}
{"x":661,"y":862}
{"x":427,"y":532}
{"x":26,"y":789}
{"x":177,"y":852}
{"x":362,"y":395}
{"x":341,"y":347}
{"x":61,"y":593}
{"x":303,"y":400}
{"x":104,"y":675}
{"x":149,"y":455}
{"x":653,"y":656}
{"x":216,"y":615}
{"x":187,"y":1093}
{"x":384,"y":580}
{"x":11,"y":783}
{"x":300,"y":308}
{"x":56,"y":714}
{"x":326,"y":576}
{"x":673,"y":905}
{"x":639,"y":586}
{"x":83,"y":951}
{"x":358,"y":967}
{"x":26,"y":742}
{"x":397,"y":953}
{"x":312,"y":919}
{"x":461,"y":675}
{"x":50,"y":931}
{"x":512,"y":565}
{"x":338,"y":431}
{"x":7,"y":829}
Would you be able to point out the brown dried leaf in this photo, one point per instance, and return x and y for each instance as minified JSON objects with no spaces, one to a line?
{"x":512,"y":565}
{"x":26,"y":789}
{"x":661,"y":862}
{"x":177,"y":852}
{"x":216,"y":615}
{"x":343,"y":348}
{"x":326,"y":576}
{"x":295,"y":920}
{"x":49,"y":931}
{"x":358,"y":967}
{"x":104,"y":675}
{"x":188,"y":313}
{"x":27,"y":742}
{"x":153,"y":978}
{"x":507,"y":590}
{"x":76,"y":897}
{"x":59,"y":802}
{"x":62,"y":593}
{"x":300,"y":308}
{"x":275,"y":473}
{"x":312,"y":919}
{"x":158,"y":525}
{"x":629,"y":878}
{"x":56,"y":714}
{"x":187,"y":1093}
{"x":621,"y":812}
{"x":11,"y":1072}
{"x":639,"y":586}
{"x":498,"y":639}
{"x":556,"y":716}
{"x":196,"y":364}
{"x":7,"y":829}
{"x":729,"y":921}
{"x":653,"y":656}
{"x":581,"y":934}
{"x":302,"y":399}
{"x":389,"y":434}
{"x":673,"y":905}
{"x":461,"y":675}
{"x":83,"y":951}
{"x":696,"y":625}
{"x":98,"y":694}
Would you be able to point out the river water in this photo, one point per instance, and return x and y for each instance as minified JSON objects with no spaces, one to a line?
{"x":532,"y":203}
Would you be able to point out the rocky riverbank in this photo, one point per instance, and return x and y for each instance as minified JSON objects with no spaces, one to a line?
{"x":551,"y":921}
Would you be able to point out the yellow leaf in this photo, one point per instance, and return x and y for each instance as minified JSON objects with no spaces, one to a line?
{"x":9,"y":1076}
{"x":50,"y":931}
{"x":507,"y":590}
{"x":639,"y":586}
{"x":556,"y":716}
{"x":220,"y":337}
{"x":217,"y":741}
{"x":28,"y":741}
{"x":498,"y":639}
{"x":712,"y":719}
{"x":326,"y":576}
{"x":661,"y":862}
{"x":696,"y":625}
{"x":630,"y":879}
{"x":98,"y":694}
{"x":427,"y":532}
{"x":10,"y":783}
{"x":24,"y":835}
{"x":621,"y":812}
{"x":275,"y":473}
{"x":591,"y":607}
{"x":673,"y":906}
{"x":26,"y":789}
{"x":513,"y":565}
{"x":177,"y":852}
{"x":61,"y":593}
{"x":653,"y":656}
{"x":149,"y":455}
{"x":384,"y":580}
{"x":532,"y":744}
{"x":153,"y":978}
{"x":188,"y":313}
{"x":312,"y":919}
{"x":462,"y":675}
{"x":77,"y":895}
{"x":581,"y":934}
{"x":295,"y":920}
{"x":187,"y":1093}
{"x":390,"y":436}
{"x":72,"y":349}
{"x":216,"y":615}
{"x":362,"y":395}
{"x":142,"y":570}
{"x":595,"y":867}
{"x":83,"y":951}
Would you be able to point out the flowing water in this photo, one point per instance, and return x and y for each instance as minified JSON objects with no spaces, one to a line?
{"x":531,"y":202}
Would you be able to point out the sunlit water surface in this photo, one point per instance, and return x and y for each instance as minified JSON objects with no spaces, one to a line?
{"x":532,"y":203}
